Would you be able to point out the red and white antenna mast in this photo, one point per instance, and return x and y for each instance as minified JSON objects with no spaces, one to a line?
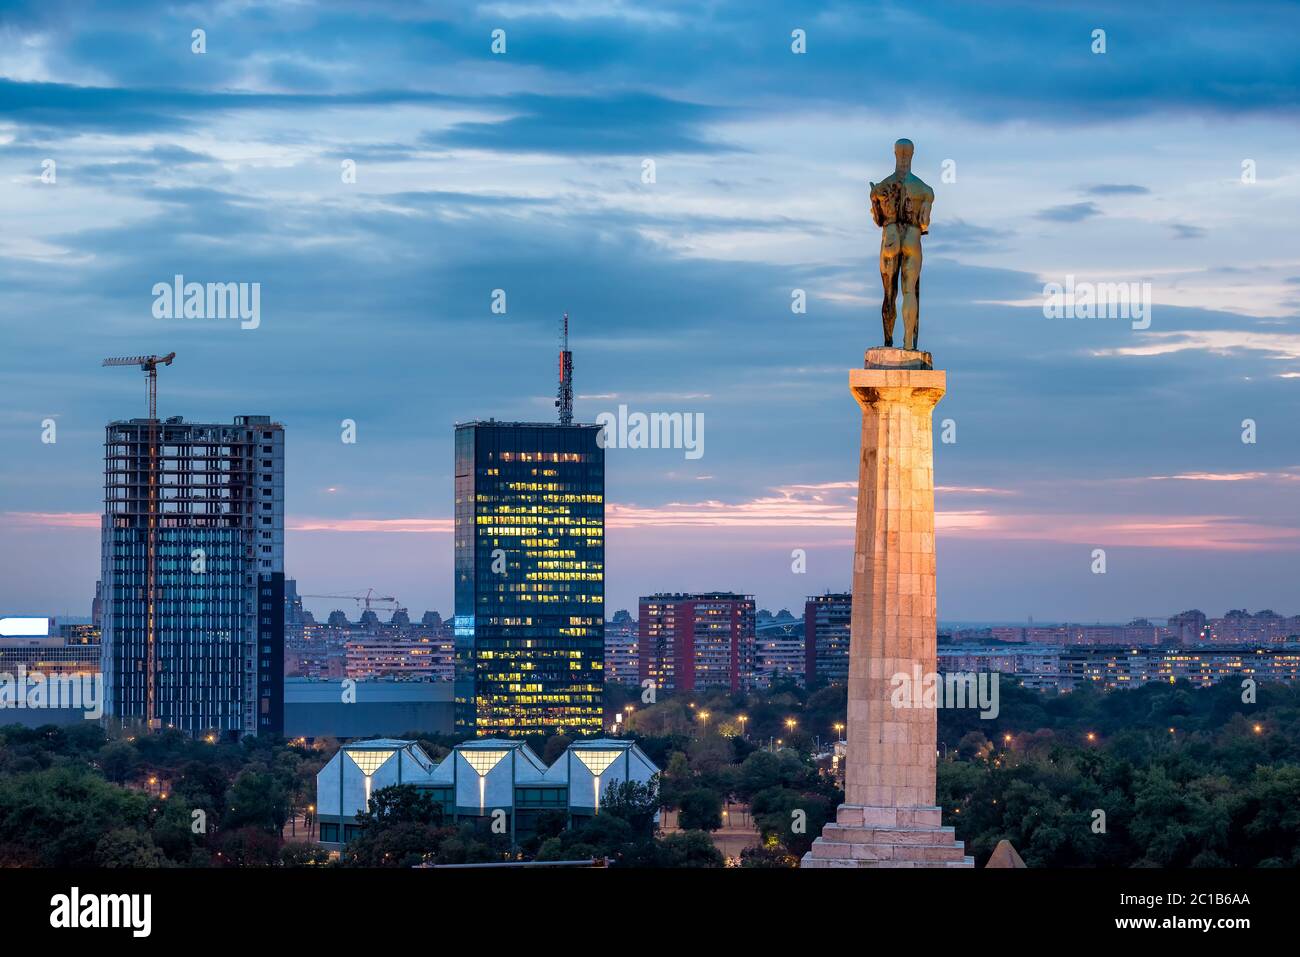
{"x":564,"y":397}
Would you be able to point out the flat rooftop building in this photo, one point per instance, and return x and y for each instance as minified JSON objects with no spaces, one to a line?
{"x":530,"y":579}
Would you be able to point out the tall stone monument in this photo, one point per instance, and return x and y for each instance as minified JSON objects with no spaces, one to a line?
{"x":889,"y":818}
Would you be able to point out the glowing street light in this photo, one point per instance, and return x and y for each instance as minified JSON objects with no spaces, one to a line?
{"x":790,"y":723}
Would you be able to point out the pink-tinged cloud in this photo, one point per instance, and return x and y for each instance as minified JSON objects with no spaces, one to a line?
{"x":51,"y":519}
{"x":831,"y":506}
{"x":1287,"y":476}
{"x":91,"y":520}
{"x":1191,"y":532}
{"x":436,"y":526}
{"x":972,"y":490}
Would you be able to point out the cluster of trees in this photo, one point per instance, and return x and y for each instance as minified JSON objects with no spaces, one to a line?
{"x":1157,"y":776}
{"x":1161,"y":775}
{"x":756,"y":749}
{"x":765,"y":715}
{"x":404,"y":828}
{"x":77,"y":797}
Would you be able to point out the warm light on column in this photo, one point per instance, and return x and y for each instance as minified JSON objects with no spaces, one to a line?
{"x":597,"y":762}
{"x":367,"y":762}
{"x":483,"y":762}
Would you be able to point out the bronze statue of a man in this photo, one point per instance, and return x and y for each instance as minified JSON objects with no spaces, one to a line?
{"x":901,"y":205}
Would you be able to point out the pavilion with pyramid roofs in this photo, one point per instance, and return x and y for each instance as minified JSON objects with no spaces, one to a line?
{"x":487,"y":778}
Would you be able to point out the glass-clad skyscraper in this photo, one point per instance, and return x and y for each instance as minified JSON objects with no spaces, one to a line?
{"x":530,"y":578}
{"x":216,"y":622}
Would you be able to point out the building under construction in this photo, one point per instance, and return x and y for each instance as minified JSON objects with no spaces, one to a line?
{"x":193,"y":574}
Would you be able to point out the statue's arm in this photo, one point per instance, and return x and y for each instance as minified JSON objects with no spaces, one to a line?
{"x":924,"y":216}
{"x":877,"y":213}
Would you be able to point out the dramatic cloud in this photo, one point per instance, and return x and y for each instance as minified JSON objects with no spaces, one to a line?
{"x":673,"y":176}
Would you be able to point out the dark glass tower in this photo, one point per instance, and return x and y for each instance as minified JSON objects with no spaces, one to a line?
{"x":530,"y":579}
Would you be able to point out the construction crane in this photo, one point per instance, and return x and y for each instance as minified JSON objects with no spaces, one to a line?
{"x":149,"y":365}
{"x":564,"y":397}
{"x":367,"y":599}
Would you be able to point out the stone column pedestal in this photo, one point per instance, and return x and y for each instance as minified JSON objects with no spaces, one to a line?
{"x":889,"y":818}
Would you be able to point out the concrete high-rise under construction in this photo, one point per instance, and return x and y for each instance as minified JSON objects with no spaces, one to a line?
{"x":209,"y":599}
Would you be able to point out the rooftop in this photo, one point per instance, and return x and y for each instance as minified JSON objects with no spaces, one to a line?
{"x":502,"y":424}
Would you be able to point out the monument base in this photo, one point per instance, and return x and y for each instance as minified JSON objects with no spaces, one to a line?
{"x":887,"y":837}
{"x":889,"y":357}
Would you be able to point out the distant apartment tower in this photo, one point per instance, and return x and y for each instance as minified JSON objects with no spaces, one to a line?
{"x":1239,"y":627}
{"x":826,"y":621}
{"x":621,"y":659}
{"x":1188,"y":626}
{"x":408,"y":656}
{"x":530,"y":579}
{"x":779,"y":654}
{"x":219,"y":593}
{"x":689,"y":642}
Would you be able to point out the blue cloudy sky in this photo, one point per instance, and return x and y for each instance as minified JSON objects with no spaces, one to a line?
{"x":522,"y":171}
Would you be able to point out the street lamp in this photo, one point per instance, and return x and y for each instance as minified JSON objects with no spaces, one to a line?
{"x":839,"y":728}
{"x":790,"y":723}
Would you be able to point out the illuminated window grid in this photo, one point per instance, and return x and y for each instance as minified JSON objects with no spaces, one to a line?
{"x":368,"y":762}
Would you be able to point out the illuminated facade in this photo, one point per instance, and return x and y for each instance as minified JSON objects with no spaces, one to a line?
{"x":530,"y":579}
{"x":220,"y":574}
{"x":1063,"y":668}
{"x":48,"y":656}
{"x":478,"y":781}
{"x":826,"y":620}
{"x":621,"y":655}
{"x":403,"y":656}
{"x":697,"y":641}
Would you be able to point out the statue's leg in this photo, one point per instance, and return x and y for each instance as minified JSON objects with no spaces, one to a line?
{"x":911,"y":270}
{"x":889,"y":250}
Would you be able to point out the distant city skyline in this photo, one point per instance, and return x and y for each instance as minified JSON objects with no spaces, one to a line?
{"x":526,"y":173}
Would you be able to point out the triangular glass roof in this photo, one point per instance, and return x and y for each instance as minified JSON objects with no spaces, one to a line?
{"x":483,"y":761}
{"x":369,"y":761}
{"x":597,"y":761}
